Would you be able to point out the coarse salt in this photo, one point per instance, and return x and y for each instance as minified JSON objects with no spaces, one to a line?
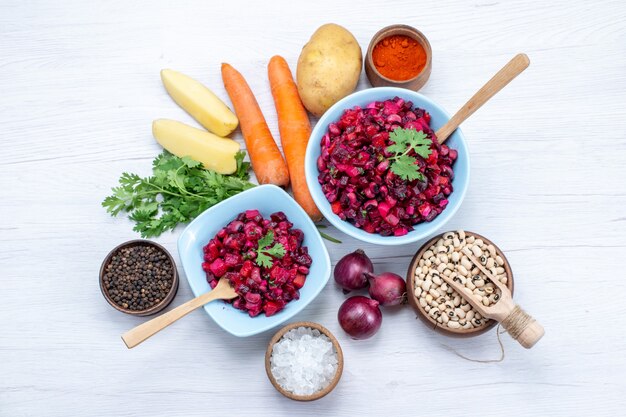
{"x":303,"y":361}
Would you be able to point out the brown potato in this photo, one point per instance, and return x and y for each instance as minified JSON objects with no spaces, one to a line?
{"x":328,"y":68}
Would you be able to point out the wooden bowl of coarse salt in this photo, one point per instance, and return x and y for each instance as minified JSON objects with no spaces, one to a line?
{"x":451,"y":314}
{"x":304,"y":361}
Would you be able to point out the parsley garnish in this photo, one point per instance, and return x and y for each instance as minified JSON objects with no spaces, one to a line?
{"x":178,"y":191}
{"x":264,"y":254}
{"x":405,"y":141}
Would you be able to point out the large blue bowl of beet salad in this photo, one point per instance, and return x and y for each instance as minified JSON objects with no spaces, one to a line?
{"x":376,"y":171}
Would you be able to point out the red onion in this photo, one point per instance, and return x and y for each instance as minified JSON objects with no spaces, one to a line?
{"x":387,"y":288}
{"x":360,"y":317}
{"x":350,"y":270}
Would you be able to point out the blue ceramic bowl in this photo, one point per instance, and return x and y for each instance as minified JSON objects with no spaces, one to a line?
{"x":438,"y":118}
{"x":267,"y":199}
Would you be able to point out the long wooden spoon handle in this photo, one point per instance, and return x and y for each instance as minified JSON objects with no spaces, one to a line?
{"x":142,"y":332}
{"x":511,"y":70}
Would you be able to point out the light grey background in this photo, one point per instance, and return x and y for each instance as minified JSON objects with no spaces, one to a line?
{"x":79,"y":87}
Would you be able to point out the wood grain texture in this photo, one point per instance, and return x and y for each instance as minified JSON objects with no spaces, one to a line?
{"x":79,"y":88}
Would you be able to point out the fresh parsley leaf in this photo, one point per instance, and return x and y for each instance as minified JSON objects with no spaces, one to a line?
{"x":406,"y":141}
{"x":178,"y":191}
{"x":266,"y":240}
{"x":404,"y":167}
{"x":264,"y":254}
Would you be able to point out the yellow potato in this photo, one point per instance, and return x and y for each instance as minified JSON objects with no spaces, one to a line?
{"x":215,"y":153}
{"x":199,"y":102}
{"x":328,"y":68}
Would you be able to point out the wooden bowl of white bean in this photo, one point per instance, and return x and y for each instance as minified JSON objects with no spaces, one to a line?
{"x":438,"y":305}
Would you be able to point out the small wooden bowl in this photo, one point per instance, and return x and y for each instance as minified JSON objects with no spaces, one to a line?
{"x":379,"y":80}
{"x":423,"y":315}
{"x":319,"y":394}
{"x":154,"y":309}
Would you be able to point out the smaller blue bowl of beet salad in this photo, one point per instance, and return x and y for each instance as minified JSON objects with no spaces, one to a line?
{"x":265,"y":244}
{"x":376,"y":171}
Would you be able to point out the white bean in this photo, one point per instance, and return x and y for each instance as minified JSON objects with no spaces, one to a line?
{"x":466,"y":263}
{"x":492,"y":250}
{"x":499,"y":270}
{"x":477,"y":251}
{"x":499,"y":260}
{"x":470,"y":239}
{"x":453,"y":324}
{"x":426,"y":285}
{"x":479,"y":242}
{"x":461,"y":234}
{"x":486,"y":301}
{"x":434,"y":293}
{"x":455,"y":257}
{"x":490,"y":263}
{"x":462,"y":270}
{"x":470,"y":315}
{"x":423,"y":302}
{"x":437,"y":280}
{"x":459,"y":312}
{"x":466,"y":307}
{"x":456,"y":242}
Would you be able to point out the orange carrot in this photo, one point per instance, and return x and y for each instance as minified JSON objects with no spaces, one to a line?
{"x":295,"y":129}
{"x":267,"y":162}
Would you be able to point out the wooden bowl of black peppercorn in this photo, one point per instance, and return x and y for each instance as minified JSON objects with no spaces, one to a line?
{"x":139,"y":277}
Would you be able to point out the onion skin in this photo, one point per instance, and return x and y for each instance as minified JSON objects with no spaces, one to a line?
{"x":351,"y":269}
{"x":360,"y":317}
{"x":388,"y":289}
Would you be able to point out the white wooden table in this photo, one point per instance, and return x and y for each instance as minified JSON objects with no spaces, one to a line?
{"x":79,"y":87}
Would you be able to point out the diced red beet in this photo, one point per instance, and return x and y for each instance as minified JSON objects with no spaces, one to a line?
{"x":218,"y":267}
{"x":271,"y":308}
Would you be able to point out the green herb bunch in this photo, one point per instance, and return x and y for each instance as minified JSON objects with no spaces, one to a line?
{"x":178,"y":191}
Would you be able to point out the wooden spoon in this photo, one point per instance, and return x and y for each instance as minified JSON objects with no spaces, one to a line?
{"x":133,"y":337}
{"x":523,"y":328}
{"x":511,"y":70}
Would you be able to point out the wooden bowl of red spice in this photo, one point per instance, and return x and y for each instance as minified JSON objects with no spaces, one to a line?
{"x":398,"y":56}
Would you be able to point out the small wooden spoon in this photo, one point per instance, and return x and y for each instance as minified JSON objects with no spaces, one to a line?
{"x":523,"y":328}
{"x":133,"y":337}
{"x":511,"y":70}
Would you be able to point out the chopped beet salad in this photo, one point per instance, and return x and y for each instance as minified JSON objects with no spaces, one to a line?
{"x":382,"y":169}
{"x":263,"y":259}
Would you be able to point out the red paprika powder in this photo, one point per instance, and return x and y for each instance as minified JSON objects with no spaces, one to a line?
{"x":399,"y":57}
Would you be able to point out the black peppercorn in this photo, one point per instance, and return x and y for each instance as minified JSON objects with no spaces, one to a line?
{"x":138,"y":277}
